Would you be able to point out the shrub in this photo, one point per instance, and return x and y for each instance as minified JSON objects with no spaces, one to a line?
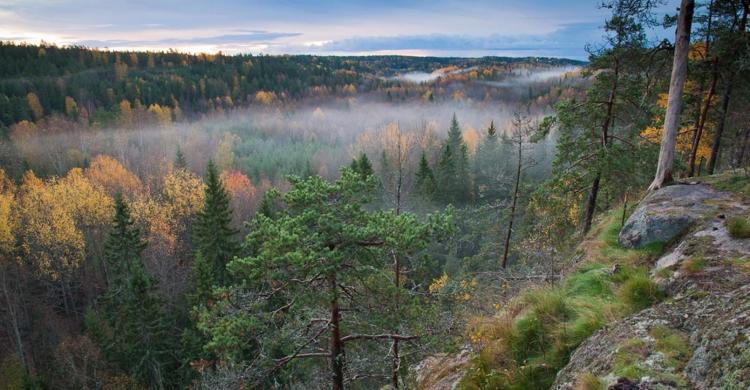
{"x":738,"y":227}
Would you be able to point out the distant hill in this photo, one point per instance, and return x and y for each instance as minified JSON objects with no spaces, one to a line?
{"x":39,"y":80}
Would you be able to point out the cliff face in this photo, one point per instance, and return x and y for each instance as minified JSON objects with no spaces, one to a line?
{"x":689,"y":242}
{"x":699,"y":336}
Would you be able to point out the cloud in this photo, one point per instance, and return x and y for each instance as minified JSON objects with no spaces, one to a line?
{"x":567,"y":41}
{"x":253,"y":37}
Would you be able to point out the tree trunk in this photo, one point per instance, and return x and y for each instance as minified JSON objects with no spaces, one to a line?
{"x":743,"y":148}
{"x":591,"y":204}
{"x":674,"y":102}
{"x":513,"y":204}
{"x":337,"y":347}
{"x":702,"y":118}
{"x":13,"y":318}
{"x":715,"y":148}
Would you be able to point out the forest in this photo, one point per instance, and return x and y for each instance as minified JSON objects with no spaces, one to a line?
{"x":211,"y":221}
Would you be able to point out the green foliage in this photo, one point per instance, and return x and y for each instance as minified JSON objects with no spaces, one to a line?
{"x":213,"y":231}
{"x":12,"y":374}
{"x":362,"y":166}
{"x":323,"y":246}
{"x":675,"y":346}
{"x":694,"y":265}
{"x":589,"y":381}
{"x":733,"y":181}
{"x":453,"y":180}
{"x":639,"y":291}
{"x":541,"y":328}
{"x":136,"y":334}
{"x":490,"y":165}
{"x":599,"y":148}
{"x":738,"y":227}
{"x":425,"y":179}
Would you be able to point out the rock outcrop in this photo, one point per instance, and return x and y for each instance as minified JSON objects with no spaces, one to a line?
{"x":700,"y":336}
{"x":666,"y":214}
{"x":442,"y":371}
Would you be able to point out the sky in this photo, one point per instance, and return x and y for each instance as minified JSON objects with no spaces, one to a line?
{"x":455,"y":28}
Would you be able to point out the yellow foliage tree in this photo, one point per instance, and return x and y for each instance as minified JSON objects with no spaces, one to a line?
{"x":49,"y":237}
{"x":113,"y":177}
{"x":265,"y":98}
{"x":35,"y":105}
{"x":71,"y":107}
{"x":163,"y":115}
{"x":126,"y":112}
{"x":183,"y":191}
{"x":7,"y":218}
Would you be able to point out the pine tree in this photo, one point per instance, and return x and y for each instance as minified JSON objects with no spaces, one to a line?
{"x":425,"y":179}
{"x":213,"y":231}
{"x":266,"y":205}
{"x":179,"y":159}
{"x":140,"y":342}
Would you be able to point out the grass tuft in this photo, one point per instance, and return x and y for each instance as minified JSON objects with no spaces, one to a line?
{"x":589,"y":381}
{"x":639,"y":292}
{"x":694,"y":265}
{"x":738,"y":227}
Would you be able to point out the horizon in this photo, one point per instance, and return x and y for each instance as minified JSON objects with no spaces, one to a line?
{"x":415,"y":28}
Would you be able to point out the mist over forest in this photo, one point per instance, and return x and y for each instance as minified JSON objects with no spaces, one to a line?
{"x":197,"y":220}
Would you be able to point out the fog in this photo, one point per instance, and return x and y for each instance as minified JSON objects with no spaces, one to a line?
{"x":521,"y":76}
{"x":270,"y":142}
{"x":423,"y":77}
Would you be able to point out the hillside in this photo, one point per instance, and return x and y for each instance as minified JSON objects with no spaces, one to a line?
{"x":670,"y":313}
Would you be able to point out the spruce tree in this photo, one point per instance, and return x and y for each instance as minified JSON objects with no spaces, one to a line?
{"x":139,"y":340}
{"x":488,"y":166}
{"x":425,"y":179}
{"x":214,"y":235}
{"x":453,"y":178}
{"x":362,"y":166}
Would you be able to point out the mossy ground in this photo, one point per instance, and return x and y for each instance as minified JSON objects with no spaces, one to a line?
{"x":737,"y":181}
{"x":532,"y":337}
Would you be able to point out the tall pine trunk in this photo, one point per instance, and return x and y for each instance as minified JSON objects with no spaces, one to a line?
{"x":674,"y":102}
{"x":716,"y":147}
{"x":513,"y":204}
{"x":337,"y":347}
{"x":591,"y":203}
{"x":702,"y":119}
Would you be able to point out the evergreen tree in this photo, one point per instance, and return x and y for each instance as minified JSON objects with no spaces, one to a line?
{"x":425,"y":179}
{"x":488,"y":164}
{"x":362,"y":166}
{"x":311,"y":262}
{"x":179,"y":159}
{"x":213,"y":231}
{"x":138,"y":340}
{"x":453,"y":179}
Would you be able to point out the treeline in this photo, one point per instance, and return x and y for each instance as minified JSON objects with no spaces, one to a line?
{"x":97,"y":85}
